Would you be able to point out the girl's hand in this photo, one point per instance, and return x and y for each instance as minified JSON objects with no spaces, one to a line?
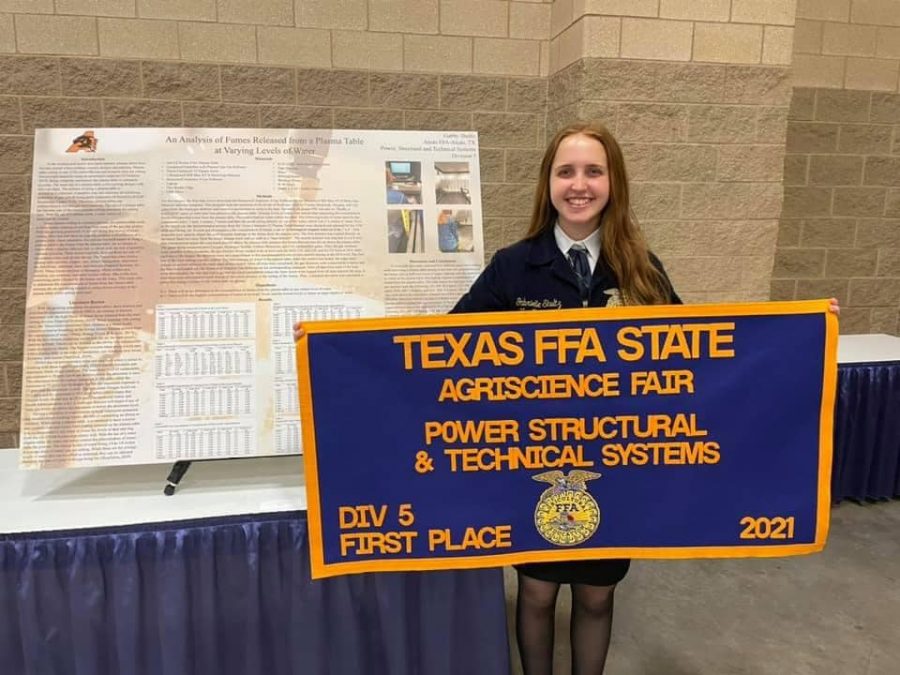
{"x":298,"y":330}
{"x":833,"y":306}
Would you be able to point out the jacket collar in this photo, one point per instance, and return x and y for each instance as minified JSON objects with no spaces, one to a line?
{"x":544,"y":249}
{"x":545,"y":252}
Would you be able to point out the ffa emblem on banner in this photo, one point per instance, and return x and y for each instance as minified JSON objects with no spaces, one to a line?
{"x":566,"y":513}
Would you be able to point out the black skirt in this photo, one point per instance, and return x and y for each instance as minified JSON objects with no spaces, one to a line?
{"x":589,"y":572}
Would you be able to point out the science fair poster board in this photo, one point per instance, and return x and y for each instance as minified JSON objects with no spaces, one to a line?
{"x":167,"y":266}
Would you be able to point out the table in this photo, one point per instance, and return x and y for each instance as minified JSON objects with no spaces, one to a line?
{"x":100,"y":573}
{"x":867,"y":419}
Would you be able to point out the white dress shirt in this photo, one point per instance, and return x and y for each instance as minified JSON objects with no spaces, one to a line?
{"x":591,"y":244}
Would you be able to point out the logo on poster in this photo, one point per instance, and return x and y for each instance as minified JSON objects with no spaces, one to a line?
{"x":566,"y":513}
{"x":87,"y":142}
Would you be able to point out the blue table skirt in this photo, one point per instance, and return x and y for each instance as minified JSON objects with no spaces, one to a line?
{"x":867,"y":432}
{"x":233,"y":595}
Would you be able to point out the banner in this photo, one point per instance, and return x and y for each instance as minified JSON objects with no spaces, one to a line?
{"x":167,"y":267}
{"x":491,"y":439}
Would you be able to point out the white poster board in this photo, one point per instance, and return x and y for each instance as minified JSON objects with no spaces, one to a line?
{"x":167,"y":267}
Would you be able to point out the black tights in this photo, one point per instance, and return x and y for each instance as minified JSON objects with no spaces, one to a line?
{"x":592,"y":612}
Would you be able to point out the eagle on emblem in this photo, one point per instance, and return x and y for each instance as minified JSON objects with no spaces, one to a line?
{"x":560,"y":482}
{"x":615,"y":298}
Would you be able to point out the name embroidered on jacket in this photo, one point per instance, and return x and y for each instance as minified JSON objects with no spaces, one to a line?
{"x":546,"y":303}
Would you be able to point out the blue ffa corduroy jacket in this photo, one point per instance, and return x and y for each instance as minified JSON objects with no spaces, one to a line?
{"x":534,"y":274}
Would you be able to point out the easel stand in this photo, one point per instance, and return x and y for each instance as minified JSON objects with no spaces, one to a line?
{"x":179,"y":468}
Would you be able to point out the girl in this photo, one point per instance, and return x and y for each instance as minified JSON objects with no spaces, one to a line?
{"x":582,"y":249}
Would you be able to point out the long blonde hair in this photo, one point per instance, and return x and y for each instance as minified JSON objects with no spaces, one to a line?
{"x":622,"y":244}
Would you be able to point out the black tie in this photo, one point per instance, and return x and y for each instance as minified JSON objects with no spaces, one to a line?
{"x":578,"y":258}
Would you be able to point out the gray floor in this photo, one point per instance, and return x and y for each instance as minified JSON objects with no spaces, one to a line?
{"x":836,"y":612}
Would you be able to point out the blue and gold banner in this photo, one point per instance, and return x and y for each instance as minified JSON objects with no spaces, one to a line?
{"x":488,"y":439}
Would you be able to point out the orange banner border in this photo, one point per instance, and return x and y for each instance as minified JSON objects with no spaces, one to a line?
{"x":321,"y":569}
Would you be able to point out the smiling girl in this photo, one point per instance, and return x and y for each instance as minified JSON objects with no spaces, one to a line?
{"x":582,"y":249}
{"x":581,"y":216}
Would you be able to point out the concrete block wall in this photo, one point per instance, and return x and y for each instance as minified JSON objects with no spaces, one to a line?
{"x":360,"y":64}
{"x":490,"y":37}
{"x":697,"y":92}
{"x":709,"y":31}
{"x":839,"y":233}
{"x":848,"y":44}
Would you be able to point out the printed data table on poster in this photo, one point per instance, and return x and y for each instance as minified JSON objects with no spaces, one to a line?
{"x":491,"y":439}
{"x":168,"y":266}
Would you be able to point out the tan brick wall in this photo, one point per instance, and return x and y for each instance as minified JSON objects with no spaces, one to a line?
{"x":839,"y":233}
{"x":840,"y":230}
{"x":404,"y":64}
{"x":696,"y":90}
{"x":848,"y":44}
{"x":701,"y":31}
{"x":508,"y":113}
{"x":704,"y":146}
{"x":491,"y":37}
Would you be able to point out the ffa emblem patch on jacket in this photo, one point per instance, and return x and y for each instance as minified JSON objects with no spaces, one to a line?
{"x":615,"y":298}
